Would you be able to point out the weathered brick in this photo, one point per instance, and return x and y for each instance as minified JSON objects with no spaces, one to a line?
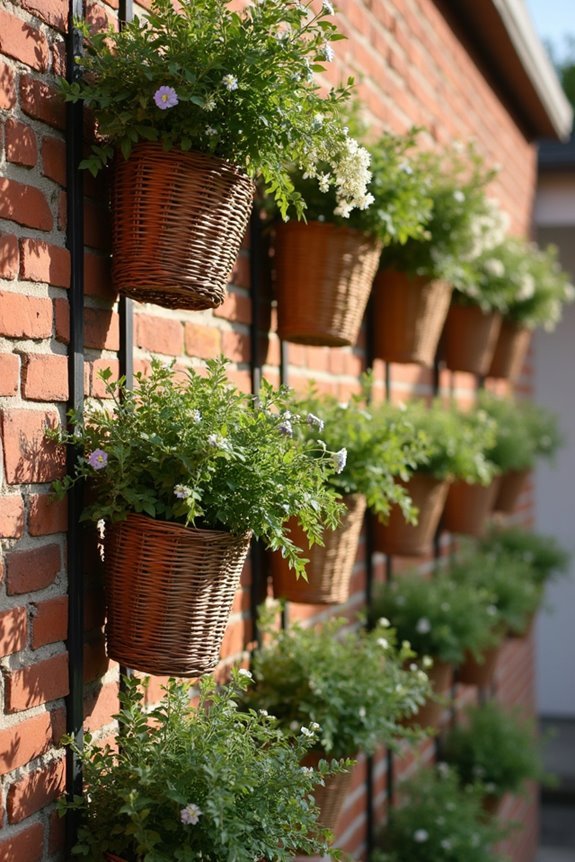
{"x":236,"y":307}
{"x":20,"y":143}
{"x":13,"y":631}
{"x":41,"y":261}
{"x":35,"y":790}
{"x":52,"y":12}
{"x":45,"y":377}
{"x":41,"y":102}
{"x":49,"y":621}
{"x":158,"y":334}
{"x":28,"y":455}
{"x":11,"y":515}
{"x":32,"y":569}
{"x":23,"y":42}
{"x":7,"y":87}
{"x":9,"y":374}
{"x":22,"y":742}
{"x":236,"y":346}
{"x":202,"y":341}
{"x":25,"y":844}
{"x":54,"y":159}
{"x":9,"y":256}
{"x":25,"y":316}
{"x":47,"y":515}
{"x":37,"y":684}
{"x":24,"y":204}
{"x":98,"y":276}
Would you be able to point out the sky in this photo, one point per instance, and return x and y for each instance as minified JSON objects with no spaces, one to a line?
{"x":553,"y":19}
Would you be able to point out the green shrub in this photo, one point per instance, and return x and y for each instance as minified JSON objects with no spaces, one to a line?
{"x":543,"y":555}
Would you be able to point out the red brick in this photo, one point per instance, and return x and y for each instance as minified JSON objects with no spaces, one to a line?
{"x":236,"y":346}
{"x":47,"y":515}
{"x":26,"y":844}
{"x":35,"y":790}
{"x":97,"y":386}
{"x":235,"y":307}
{"x":98,"y":276}
{"x":20,"y":143}
{"x":160,"y":335}
{"x":49,"y":621}
{"x":101,"y":327}
{"x":23,"y":42}
{"x":9,"y":374}
{"x":28,"y":456}
{"x":100,"y":705}
{"x":52,"y":12}
{"x":32,"y":569}
{"x":54,"y":159}
{"x":41,"y":102}
{"x":11,"y":516}
{"x":30,"y":738}
{"x":202,"y":341}
{"x":25,"y":205}
{"x":13,"y":631}
{"x":97,"y":225}
{"x":44,"y":262}
{"x":7,"y":88}
{"x":25,"y":316}
{"x":37,"y":684}
{"x":56,"y":834}
{"x":45,"y":377}
{"x":8,"y":256}
{"x":96,"y":662}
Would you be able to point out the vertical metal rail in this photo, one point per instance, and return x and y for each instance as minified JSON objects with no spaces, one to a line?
{"x":369,"y":765}
{"x":390,"y":784}
{"x":284,"y":620}
{"x":75,"y":244}
{"x":125,"y":305}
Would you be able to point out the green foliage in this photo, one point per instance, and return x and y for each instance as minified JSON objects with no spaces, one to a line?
{"x":350,"y":682}
{"x":440,"y":617}
{"x":381,"y":446}
{"x":244,"y":83}
{"x":542,"y":554}
{"x":463,"y":221}
{"x":234,"y":776}
{"x":191,"y":448}
{"x":524,"y":431}
{"x":438,"y":822}
{"x":494,"y":748}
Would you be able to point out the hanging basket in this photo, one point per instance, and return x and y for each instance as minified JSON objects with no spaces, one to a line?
{"x":467,"y":507}
{"x":111,"y":857}
{"x":409,"y":312}
{"x":510,"y":351}
{"x":431,"y":713}
{"x":324,"y":275}
{"x":413,"y":540}
{"x":511,"y":487}
{"x":479,"y":673}
{"x":179,"y":220}
{"x":169,"y":592}
{"x":330,"y":797}
{"x":469,"y":338}
{"x":330,"y":566}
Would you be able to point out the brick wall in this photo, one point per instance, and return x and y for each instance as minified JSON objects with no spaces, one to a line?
{"x":413,"y":66}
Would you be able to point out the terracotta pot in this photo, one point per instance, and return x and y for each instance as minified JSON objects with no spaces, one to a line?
{"x":467,"y":507}
{"x":409,"y":313}
{"x":469,"y":338}
{"x":413,"y":540}
{"x":179,"y":220}
{"x":510,"y":351}
{"x":474,"y":672}
{"x":330,"y":797}
{"x":492,"y":804}
{"x":430,"y":714}
{"x":510,"y":489}
{"x":324,"y":274}
{"x":330,"y":567}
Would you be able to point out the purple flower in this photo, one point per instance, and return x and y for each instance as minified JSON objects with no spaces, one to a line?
{"x":98,"y":459}
{"x":285,"y":427}
{"x":190,"y":814}
{"x":165,"y":97}
{"x":339,"y":460}
{"x":182,"y":492}
{"x":314,"y":421}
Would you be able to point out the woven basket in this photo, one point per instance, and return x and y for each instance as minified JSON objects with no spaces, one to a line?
{"x":409,"y":312}
{"x":330,"y":567}
{"x":169,"y":591}
{"x":510,"y":351}
{"x":330,"y":796}
{"x":111,"y":857}
{"x":179,"y":220}
{"x":510,"y":489}
{"x":481,"y":674}
{"x":467,"y":507}
{"x":431,"y":713}
{"x":413,"y":540}
{"x":469,"y":338}
{"x":324,"y":275}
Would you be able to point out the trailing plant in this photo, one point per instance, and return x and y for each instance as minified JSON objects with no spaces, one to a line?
{"x":190,"y":448}
{"x":440,"y":617}
{"x":184,"y":783}
{"x":542,"y":554}
{"x":350,"y":682}
{"x":237,"y":84}
{"x":494,"y":748}
{"x":437,"y":821}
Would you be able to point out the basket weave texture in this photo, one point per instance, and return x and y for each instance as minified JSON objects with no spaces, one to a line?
{"x":510,"y":351}
{"x":111,"y":857}
{"x":179,"y":220}
{"x":169,"y":592}
{"x":511,"y":487}
{"x":330,"y":566}
{"x":431,"y":713}
{"x":409,"y":313}
{"x":324,"y":273}
{"x":330,"y":796}
{"x":468,"y":506}
{"x":413,"y":540}
{"x":469,"y":338}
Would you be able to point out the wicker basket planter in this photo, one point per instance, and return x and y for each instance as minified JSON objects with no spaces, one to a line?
{"x":510,"y":351}
{"x":467,"y":507}
{"x":469,"y":338}
{"x":430,"y":714}
{"x":413,"y":540}
{"x":409,"y":311}
{"x":330,"y":567}
{"x":481,"y":674}
{"x":169,"y":592}
{"x":324,"y":275}
{"x":179,"y":220}
{"x":510,"y":489}
{"x":111,"y":857}
{"x":330,"y":796}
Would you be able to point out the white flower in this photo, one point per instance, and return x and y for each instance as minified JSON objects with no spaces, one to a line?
{"x":383,"y":643}
{"x":361,"y":712}
{"x":196,"y":416}
{"x":263,"y":712}
{"x":328,"y":7}
{"x":314,"y":725}
{"x":230,"y":82}
{"x":294,"y":725}
{"x":494,"y":267}
{"x":339,"y":460}
{"x":413,"y":667}
{"x":317,"y":121}
{"x":306,"y":731}
{"x":323,"y":182}
{"x":328,"y":53}
{"x":423,"y":626}
{"x":420,"y":836}
{"x":190,"y":814}
{"x":211,"y":131}
{"x":182,"y":492}
{"x":245,"y":672}
{"x":384,"y":622}
{"x":427,"y":662}
{"x":443,"y":770}
{"x":458,"y":196}
{"x":314,"y":421}
{"x":210,"y":104}
{"x":446,"y":844}
{"x":306,"y":769}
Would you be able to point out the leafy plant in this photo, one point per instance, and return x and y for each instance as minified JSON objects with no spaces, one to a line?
{"x":350,"y":682}
{"x":542,"y":554}
{"x":238,"y":84}
{"x":184,"y":783}
{"x":437,"y":821}
{"x":193,"y":449}
{"x":495,"y":748}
